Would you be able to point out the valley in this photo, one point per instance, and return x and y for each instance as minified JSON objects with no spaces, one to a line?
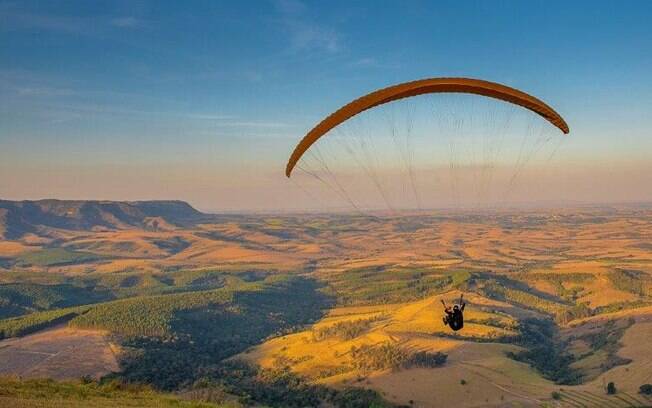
{"x":337,"y":309}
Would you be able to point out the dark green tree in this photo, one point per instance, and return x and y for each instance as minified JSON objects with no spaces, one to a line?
{"x":645,"y":389}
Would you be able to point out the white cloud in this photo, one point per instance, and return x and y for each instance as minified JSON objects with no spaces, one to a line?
{"x":309,"y":36}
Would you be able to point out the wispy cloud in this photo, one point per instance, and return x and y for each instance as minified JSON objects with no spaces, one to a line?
{"x":294,"y":7}
{"x":367,"y":62}
{"x":208,"y":116}
{"x":305,"y":33}
{"x":126,"y":22}
{"x":254,"y":124}
{"x":78,"y":111}
{"x":13,"y":18}
{"x":364,"y":62}
{"x":43,"y":91}
{"x":16,"y":83}
{"x":55,"y":102}
{"x":111,"y":109}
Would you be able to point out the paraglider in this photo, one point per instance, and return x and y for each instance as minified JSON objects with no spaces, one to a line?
{"x":421,"y":87}
{"x":455,"y":315}
{"x":400,"y":147}
{"x":475,"y":161}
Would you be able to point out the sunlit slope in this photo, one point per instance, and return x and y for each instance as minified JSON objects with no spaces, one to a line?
{"x":632,"y":346}
{"x":633,"y":349}
{"x":478,"y":370}
{"x":474,"y":375}
{"x":325,"y":355}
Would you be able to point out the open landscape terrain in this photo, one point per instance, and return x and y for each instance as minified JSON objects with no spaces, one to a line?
{"x":343,"y":310}
{"x":325,"y":204}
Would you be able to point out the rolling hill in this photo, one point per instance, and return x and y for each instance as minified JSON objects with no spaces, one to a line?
{"x":300,"y":310}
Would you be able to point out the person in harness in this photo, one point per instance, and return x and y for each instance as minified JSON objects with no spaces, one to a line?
{"x":454,"y":317}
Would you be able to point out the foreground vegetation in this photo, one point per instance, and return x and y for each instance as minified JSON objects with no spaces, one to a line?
{"x":23,"y":325}
{"x":82,"y":394}
{"x":280,"y":387}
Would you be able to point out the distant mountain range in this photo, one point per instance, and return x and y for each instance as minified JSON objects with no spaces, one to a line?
{"x":18,"y":218}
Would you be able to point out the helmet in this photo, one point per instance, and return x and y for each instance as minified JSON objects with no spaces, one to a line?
{"x":456,"y":307}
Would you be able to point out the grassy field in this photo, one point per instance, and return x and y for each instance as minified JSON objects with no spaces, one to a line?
{"x":51,"y":394}
{"x":55,"y":257}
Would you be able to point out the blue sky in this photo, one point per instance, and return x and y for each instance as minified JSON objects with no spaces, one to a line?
{"x":204,"y":100}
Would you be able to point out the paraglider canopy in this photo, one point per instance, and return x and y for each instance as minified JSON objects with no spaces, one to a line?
{"x":421,"y":87}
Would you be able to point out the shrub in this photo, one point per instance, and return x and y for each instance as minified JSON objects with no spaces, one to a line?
{"x":346,"y":330}
{"x":391,"y":356}
{"x":382,"y":357}
{"x":611,"y":388}
{"x":425,"y":359}
{"x":645,"y":389}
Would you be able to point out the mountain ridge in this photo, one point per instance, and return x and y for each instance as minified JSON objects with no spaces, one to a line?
{"x":18,"y":218}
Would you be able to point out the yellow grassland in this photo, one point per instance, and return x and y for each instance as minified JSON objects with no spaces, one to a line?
{"x":491,"y":378}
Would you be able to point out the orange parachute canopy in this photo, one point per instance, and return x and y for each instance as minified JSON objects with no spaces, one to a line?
{"x":420,"y":87}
